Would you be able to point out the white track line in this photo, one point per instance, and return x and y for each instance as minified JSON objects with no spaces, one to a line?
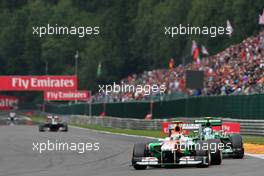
{"x":260,"y":156}
{"x":132,"y":135}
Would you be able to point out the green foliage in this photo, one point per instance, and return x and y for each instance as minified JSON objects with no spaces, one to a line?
{"x":131,"y":36}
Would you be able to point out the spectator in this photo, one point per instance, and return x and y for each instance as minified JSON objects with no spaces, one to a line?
{"x":237,"y":70}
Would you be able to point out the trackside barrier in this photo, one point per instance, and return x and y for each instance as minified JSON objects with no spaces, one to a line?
{"x":237,"y":106}
{"x":248,"y":127}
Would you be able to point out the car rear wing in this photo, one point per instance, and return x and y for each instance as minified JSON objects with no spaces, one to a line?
{"x":214,"y":122}
{"x":186,"y":126}
{"x":189,"y":126}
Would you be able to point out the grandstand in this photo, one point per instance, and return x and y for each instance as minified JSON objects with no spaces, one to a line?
{"x":237,"y":70}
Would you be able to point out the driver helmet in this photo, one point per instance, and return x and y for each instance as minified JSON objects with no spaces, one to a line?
{"x":177,"y":129}
{"x":208,"y":124}
{"x":208,"y":131}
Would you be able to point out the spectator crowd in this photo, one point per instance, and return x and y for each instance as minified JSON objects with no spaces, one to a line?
{"x":237,"y":70}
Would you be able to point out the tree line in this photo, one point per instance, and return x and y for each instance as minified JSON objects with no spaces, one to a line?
{"x":131,"y":36}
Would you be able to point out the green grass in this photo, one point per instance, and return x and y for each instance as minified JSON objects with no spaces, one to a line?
{"x":158,"y":134}
{"x":149,"y":133}
{"x":253,"y":139}
{"x":37,"y":119}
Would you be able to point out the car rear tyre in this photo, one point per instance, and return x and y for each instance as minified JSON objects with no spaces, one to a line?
{"x":216,"y":154}
{"x":138,"y":152}
{"x":237,"y":145}
{"x":65,"y":126}
{"x":41,"y":128}
{"x":203,"y":153}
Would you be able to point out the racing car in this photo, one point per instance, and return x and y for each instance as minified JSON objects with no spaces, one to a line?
{"x":53,"y":123}
{"x":12,"y":118}
{"x":177,"y":149}
{"x":233,"y":143}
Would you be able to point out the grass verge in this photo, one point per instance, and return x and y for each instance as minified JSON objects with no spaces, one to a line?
{"x":158,"y":134}
{"x":253,"y":139}
{"x":37,"y":119}
{"x":149,"y":133}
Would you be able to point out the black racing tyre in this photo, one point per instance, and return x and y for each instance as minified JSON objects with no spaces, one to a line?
{"x":240,"y":154}
{"x":216,"y":154}
{"x":237,"y":143}
{"x":139,"y":150}
{"x":41,"y":128}
{"x":199,"y":148}
{"x":65,"y":127}
{"x":201,"y":152}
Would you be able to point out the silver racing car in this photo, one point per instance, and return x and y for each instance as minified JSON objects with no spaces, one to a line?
{"x":53,"y":123}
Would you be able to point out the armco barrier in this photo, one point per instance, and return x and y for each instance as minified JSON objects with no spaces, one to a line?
{"x":124,"y":123}
{"x":238,"y":107}
{"x":248,"y":127}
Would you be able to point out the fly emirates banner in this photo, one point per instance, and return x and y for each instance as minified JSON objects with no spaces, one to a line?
{"x":37,"y":83}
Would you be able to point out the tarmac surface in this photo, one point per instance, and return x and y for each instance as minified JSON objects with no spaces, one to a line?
{"x":18,"y":158}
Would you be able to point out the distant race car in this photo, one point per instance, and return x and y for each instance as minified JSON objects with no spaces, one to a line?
{"x":12,"y":118}
{"x":53,"y":123}
{"x":233,"y":142}
{"x":177,"y":149}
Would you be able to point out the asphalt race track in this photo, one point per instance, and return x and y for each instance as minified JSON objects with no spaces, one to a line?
{"x":17,"y":157}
